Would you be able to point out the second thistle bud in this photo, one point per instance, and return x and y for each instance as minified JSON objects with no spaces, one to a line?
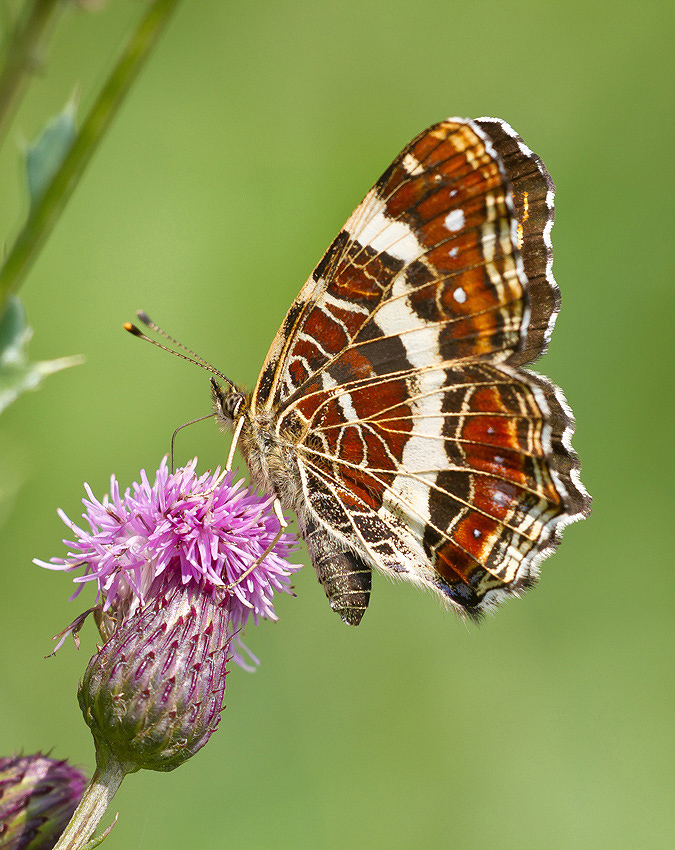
{"x":152,"y":696}
{"x":38,"y":796}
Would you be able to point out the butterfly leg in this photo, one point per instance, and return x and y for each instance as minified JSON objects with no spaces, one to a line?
{"x":343,"y":575}
{"x":233,"y":446}
{"x":282,"y":525}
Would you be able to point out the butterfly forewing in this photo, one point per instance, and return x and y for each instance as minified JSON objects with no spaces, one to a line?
{"x":443,"y":215}
{"x":394,"y":380}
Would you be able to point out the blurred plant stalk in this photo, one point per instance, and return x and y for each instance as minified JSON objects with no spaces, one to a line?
{"x":45,"y":213}
{"x":22,"y":55}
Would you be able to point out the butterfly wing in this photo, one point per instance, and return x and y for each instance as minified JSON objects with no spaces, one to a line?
{"x":422,"y":446}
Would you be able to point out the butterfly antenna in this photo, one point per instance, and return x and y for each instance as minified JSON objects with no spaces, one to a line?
{"x":194,"y":358}
{"x":147,"y":321}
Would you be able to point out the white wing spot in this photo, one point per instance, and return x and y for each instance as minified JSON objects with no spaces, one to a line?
{"x":459,"y":295}
{"x":454,"y":220}
{"x":412,"y":165}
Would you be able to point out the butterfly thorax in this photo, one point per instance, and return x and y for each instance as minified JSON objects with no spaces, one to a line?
{"x":270,"y":459}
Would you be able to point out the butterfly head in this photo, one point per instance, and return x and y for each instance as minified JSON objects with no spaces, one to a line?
{"x":227,"y":402}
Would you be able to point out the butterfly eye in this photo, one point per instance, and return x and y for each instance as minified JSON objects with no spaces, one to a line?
{"x":232,"y":404}
{"x":228,"y":402}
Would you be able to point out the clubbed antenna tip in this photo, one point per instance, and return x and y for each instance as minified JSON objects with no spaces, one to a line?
{"x":132,"y":329}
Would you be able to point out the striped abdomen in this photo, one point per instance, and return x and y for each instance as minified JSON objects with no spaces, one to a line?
{"x":344,"y":576}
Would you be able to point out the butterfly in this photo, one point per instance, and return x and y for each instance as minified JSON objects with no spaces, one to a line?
{"x":393,"y":414}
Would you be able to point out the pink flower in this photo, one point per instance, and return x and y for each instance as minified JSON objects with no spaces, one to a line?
{"x":206,"y":531}
{"x":179,"y":566}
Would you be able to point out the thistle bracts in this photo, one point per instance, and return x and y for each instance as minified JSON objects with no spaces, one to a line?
{"x":152,"y":696}
{"x":38,"y":796}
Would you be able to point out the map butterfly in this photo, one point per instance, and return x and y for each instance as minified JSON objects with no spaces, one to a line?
{"x":392,"y":413}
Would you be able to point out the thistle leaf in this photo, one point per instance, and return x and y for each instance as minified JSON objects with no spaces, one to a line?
{"x":17,"y":373}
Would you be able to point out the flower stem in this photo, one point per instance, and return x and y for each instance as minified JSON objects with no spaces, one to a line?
{"x":100,"y":791}
{"x":22,"y":55}
{"x":45,"y":214}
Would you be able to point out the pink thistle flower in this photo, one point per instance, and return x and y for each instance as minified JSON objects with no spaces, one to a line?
{"x":183,"y":529}
{"x":179,"y":566}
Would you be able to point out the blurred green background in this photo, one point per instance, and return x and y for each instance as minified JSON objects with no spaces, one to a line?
{"x":248,"y":139}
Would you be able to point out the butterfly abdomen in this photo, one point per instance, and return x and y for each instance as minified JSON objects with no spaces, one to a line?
{"x":345,"y":578}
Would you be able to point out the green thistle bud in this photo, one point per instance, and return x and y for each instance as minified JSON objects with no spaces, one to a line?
{"x":152,"y":696}
{"x":38,"y":796}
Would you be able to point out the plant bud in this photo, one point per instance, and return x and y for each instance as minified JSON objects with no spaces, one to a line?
{"x":152,"y":696}
{"x":38,"y":796}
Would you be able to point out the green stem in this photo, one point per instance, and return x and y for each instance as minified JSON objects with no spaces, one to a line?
{"x":95,"y":801}
{"x":23,"y":55}
{"x":44,"y":216}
